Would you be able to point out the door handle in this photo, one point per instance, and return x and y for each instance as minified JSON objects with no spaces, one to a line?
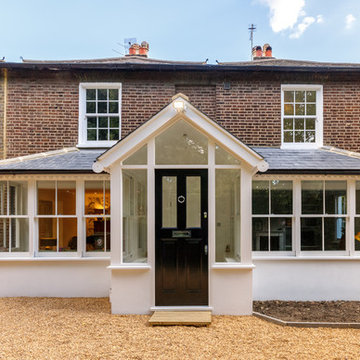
{"x":206,"y":249}
{"x":205,"y":215}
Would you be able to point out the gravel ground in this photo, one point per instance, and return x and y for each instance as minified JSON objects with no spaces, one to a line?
{"x":53,"y":328}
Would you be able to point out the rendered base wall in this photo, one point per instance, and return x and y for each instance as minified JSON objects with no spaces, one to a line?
{"x":54,"y":278}
{"x":307,"y":280}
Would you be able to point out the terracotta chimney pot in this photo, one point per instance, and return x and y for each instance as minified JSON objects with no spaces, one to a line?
{"x":134,"y":49}
{"x":258,"y":52}
{"x":144,"y":49}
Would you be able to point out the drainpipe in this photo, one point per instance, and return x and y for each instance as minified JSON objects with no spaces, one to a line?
{"x":5,"y":115}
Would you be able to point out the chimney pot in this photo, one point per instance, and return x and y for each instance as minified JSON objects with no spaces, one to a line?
{"x":144,"y":49}
{"x":134,"y":49}
{"x":258,"y":51}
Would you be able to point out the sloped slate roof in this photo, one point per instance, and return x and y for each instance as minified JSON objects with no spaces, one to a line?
{"x":316,"y":161}
{"x":313,"y":161}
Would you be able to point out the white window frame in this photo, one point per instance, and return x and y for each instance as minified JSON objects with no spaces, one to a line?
{"x":82,"y":141}
{"x":319,"y":116}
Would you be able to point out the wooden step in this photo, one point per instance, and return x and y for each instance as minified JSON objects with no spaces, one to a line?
{"x":190,"y":318}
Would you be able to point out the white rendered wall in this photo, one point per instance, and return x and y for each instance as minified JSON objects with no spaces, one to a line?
{"x":54,"y":278}
{"x":307,"y":280}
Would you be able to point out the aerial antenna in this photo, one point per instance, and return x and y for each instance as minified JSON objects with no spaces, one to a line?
{"x":252,"y":29}
{"x":128,"y":42}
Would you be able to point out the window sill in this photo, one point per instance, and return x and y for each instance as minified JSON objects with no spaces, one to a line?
{"x":130,"y":267}
{"x":43,"y":258}
{"x":307,"y":258}
{"x":227,"y":266}
{"x":300,"y":146}
{"x":96,"y":144}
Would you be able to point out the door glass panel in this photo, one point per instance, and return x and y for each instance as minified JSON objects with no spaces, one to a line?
{"x":169,"y":204}
{"x":181,"y":144}
{"x":193,"y":201}
{"x":138,"y":158}
{"x":222,"y":157}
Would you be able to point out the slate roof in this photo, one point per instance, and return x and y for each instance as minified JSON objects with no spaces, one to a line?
{"x":325,"y":160}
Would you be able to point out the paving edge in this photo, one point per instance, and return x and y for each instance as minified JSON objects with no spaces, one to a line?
{"x":304,"y":324}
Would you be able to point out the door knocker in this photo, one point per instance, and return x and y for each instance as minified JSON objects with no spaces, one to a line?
{"x":181,"y":199}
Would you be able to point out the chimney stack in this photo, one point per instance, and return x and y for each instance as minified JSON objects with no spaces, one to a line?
{"x":260,"y":53}
{"x":139,"y":50}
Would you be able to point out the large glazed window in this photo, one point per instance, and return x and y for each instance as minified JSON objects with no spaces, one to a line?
{"x":56,"y":215}
{"x":272,"y":206}
{"x":323,"y":221}
{"x":227,"y":214}
{"x":97,"y":215}
{"x":100,"y":111}
{"x":14,"y":222}
{"x":301,"y":116}
{"x":134,"y":216}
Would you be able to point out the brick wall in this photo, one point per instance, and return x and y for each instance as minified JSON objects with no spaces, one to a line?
{"x":1,"y":113}
{"x":43,"y":108}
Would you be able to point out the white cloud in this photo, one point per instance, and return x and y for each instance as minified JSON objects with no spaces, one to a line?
{"x":284,"y":14}
{"x":349,"y":21}
{"x":300,"y":28}
{"x":319,"y":19}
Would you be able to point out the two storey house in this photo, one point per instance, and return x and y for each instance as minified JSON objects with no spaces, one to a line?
{"x":180,"y":185}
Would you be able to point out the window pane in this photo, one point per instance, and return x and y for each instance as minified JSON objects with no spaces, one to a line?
{"x":66,"y":197}
{"x":18,"y":195}
{"x":299,"y":124}
{"x":299,"y":136}
{"x":94,"y":197}
{"x":311,"y":234}
{"x":107,"y":197}
{"x":335,"y":197}
{"x":260,"y":197}
{"x":3,"y":197}
{"x":260,"y":234}
{"x":103,"y":122}
{"x":288,"y":136}
{"x":193,"y":201}
{"x":311,"y":96}
{"x":102,"y":94}
{"x":358,"y":197}
{"x":137,"y":158}
{"x":300,"y":109}
{"x":90,"y":107}
{"x":4,"y":235}
{"x":91,"y":122}
{"x":169,"y":201}
{"x":288,"y":109}
{"x":90,"y":94}
{"x":95,"y":234}
{"x":102,"y":107}
{"x":114,"y":135}
{"x":310,"y":109}
{"x":334,"y":233}
{"x":288,"y":96}
{"x":280,"y":234}
{"x":227,"y":212}
{"x":67,"y":234}
{"x":113,"y":107}
{"x":357,"y":234}
{"x":299,"y":96}
{"x":288,"y":124}
{"x":46,"y":197}
{"x":181,"y":144}
{"x":48,"y":234}
{"x":312,"y":197}
{"x":222,"y":157}
{"x":113,"y":94}
{"x":281,"y":197}
{"x":91,"y":135}
{"x":310,"y":136}
{"x":135,"y":222}
{"x":107,"y":234}
{"x":310,"y":124}
{"x":103,"y":134}
{"x":114,"y":122}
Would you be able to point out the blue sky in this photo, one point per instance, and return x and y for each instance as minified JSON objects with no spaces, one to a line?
{"x":183,"y":30}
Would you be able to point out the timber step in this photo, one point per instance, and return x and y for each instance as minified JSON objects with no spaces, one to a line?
{"x":190,"y":318}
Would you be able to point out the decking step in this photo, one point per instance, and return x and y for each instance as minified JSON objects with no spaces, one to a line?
{"x":190,"y":318}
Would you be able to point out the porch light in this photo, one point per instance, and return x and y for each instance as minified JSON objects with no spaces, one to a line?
{"x":179,"y":105}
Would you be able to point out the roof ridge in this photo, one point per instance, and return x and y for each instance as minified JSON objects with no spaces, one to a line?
{"x":38,"y":155}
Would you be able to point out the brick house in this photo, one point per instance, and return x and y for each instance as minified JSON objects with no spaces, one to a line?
{"x":224,"y":183}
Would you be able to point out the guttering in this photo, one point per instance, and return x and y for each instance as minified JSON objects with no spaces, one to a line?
{"x":311,"y":172}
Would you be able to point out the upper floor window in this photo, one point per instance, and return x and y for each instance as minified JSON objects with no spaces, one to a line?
{"x":99,"y":114}
{"x":301,"y":116}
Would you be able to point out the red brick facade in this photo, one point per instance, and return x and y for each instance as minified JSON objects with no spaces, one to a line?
{"x":42,"y":110}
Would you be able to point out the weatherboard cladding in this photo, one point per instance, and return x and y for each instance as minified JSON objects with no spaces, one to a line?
{"x":280,"y":161}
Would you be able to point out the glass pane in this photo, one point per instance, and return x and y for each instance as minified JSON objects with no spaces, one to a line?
{"x":91,"y":122}
{"x":18,"y":196}
{"x":311,"y":234}
{"x":90,"y":107}
{"x":19,"y":235}
{"x":300,"y":109}
{"x":66,"y":197}
{"x":227,"y":212}
{"x":4,"y":235}
{"x":299,"y":96}
{"x":102,"y":107}
{"x":114,"y":135}
{"x":357,"y":234}
{"x":334,"y":233}
{"x":67,"y":234}
{"x":181,"y":144}
{"x":102,"y":94}
{"x":114,"y":122}
{"x":299,"y":124}
{"x":107,"y":234}
{"x":169,"y":201}
{"x":310,"y":136}
{"x":113,"y":107}
{"x":103,"y":134}
{"x":288,"y":124}
{"x":288,"y":96}
{"x":222,"y":157}
{"x":90,"y":94}
{"x":103,"y":122}
{"x":135,"y":223}
{"x":260,"y":197}
{"x":288,"y":136}
{"x":299,"y":136}
{"x":311,"y":96}
{"x":107,"y":197}
{"x":358,"y":197}
{"x":310,"y":109}
{"x":280,"y":234}
{"x":94,"y":197}
{"x":46,"y":197}
{"x":3,"y":197}
{"x":310,"y":124}
{"x":288,"y":109}
{"x":335,"y":197}
{"x":193,"y":201}
{"x":260,"y":234}
{"x":95,"y":234}
{"x":113,"y":94}
{"x":137,"y":158}
{"x":312,"y":197}
{"x":281,"y":197}
{"x":48,"y":234}
{"x":91,"y":135}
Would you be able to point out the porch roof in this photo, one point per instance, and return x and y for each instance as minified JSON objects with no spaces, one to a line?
{"x":326,"y":160}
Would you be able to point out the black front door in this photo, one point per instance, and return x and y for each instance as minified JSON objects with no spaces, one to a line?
{"x":181,"y":243}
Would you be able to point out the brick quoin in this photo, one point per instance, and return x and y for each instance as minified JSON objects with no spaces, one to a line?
{"x":42,"y":111}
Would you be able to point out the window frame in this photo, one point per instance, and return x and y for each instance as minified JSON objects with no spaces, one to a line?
{"x":82,"y":138}
{"x":319,"y":116}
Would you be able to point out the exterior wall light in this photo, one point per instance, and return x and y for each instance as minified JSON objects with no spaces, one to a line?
{"x":179,"y":105}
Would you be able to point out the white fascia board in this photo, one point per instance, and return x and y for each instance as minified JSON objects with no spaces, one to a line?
{"x":164,"y":119}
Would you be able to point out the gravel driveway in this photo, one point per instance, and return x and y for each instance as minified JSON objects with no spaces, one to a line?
{"x":53,"y":328}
